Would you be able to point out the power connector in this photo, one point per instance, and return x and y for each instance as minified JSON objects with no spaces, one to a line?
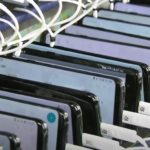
{"x":118,"y":132}
{"x":144,"y":108}
{"x":101,"y":143}
{"x":136,"y":119}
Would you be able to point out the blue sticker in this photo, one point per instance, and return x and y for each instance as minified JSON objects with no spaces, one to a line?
{"x":51,"y":117}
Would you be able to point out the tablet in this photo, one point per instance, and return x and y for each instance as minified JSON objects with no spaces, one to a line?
{"x":117,"y":26}
{"x":67,"y":77}
{"x":98,"y":33}
{"x":51,"y":116}
{"x":132,"y":8}
{"x":27,"y":129}
{"x":45,"y":102}
{"x":128,"y":76}
{"x":103,"y":47}
{"x":124,"y":16}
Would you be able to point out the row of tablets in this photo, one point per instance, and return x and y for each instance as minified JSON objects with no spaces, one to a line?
{"x":48,"y":95}
{"x":39,"y":116}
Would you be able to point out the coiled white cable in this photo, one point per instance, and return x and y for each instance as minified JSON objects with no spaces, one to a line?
{"x":80,"y":4}
{"x":63,"y":22}
{"x":43,"y":21}
{"x":55,"y":24}
{"x":74,"y":21}
{"x":41,"y":30}
{"x":53,"y":20}
{"x":13,"y":27}
{"x":15,"y":22}
{"x":2,"y":38}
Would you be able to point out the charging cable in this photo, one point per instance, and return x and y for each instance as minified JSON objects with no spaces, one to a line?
{"x":58,"y":23}
{"x":74,"y":21}
{"x":13,"y":27}
{"x":15,"y":22}
{"x":38,"y":33}
{"x":112,"y":4}
{"x":101,"y":143}
{"x":2,"y":39}
{"x":121,"y":134}
{"x":70,"y":23}
{"x":43,"y":21}
{"x":139,"y":120}
{"x":52,"y":21}
{"x":126,"y":1}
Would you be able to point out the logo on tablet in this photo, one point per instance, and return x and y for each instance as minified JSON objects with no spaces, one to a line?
{"x":51,"y":117}
{"x":142,"y":109}
{"x":126,"y":118}
{"x":104,"y":131}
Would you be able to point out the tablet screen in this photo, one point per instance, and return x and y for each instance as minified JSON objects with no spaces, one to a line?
{"x":71,"y":79}
{"x":127,"y":17}
{"x":100,"y":34}
{"x":5,"y":142}
{"x":105,"y":35}
{"x":48,"y":115}
{"x":131,"y":8}
{"x":25,"y":129}
{"x":122,"y":27}
{"x":39,"y":101}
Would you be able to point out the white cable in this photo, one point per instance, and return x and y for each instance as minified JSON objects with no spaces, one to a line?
{"x":75,"y":14}
{"x":126,"y":1}
{"x":43,"y":21}
{"x":112,"y":4}
{"x":69,"y":19}
{"x":40,"y":31}
{"x":57,"y":13}
{"x":53,"y":20}
{"x":95,"y":12}
{"x":15,"y":22}
{"x":76,"y":19}
{"x":74,"y":147}
{"x":13,"y":27}
{"x":35,"y":16}
{"x":2,"y":38}
{"x":52,"y":43}
{"x":119,"y":132}
{"x":57,"y":23}
{"x":33,"y":33}
{"x":137,"y":120}
{"x":96,"y":142}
